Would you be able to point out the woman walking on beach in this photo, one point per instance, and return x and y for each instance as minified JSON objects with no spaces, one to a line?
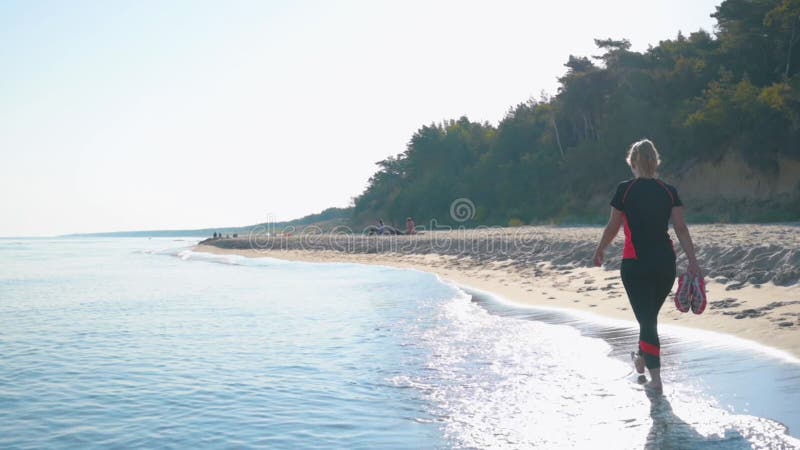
{"x":645,"y":205}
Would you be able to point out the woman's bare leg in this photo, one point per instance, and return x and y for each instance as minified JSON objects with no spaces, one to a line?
{"x":655,"y":382}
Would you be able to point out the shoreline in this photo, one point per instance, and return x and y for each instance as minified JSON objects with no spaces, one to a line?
{"x":758,"y":313}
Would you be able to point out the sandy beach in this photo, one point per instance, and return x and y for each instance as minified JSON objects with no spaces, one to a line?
{"x":752,"y":271}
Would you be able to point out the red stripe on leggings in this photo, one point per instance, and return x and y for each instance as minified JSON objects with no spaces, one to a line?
{"x":650,"y":348}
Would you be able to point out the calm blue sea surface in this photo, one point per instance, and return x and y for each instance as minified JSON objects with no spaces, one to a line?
{"x":139,"y":343}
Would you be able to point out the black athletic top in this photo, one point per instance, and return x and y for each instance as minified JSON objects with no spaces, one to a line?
{"x":646,"y":205}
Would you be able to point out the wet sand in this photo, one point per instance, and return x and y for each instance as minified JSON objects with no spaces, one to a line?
{"x":752,"y":271}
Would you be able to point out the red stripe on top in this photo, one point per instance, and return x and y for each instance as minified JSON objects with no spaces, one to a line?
{"x":650,"y":348}
{"x":625,"y":195}
{"x":629,"y":251}
{"x":671,"y":197}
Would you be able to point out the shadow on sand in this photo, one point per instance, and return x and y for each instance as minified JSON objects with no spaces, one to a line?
{"x":670,"y":432}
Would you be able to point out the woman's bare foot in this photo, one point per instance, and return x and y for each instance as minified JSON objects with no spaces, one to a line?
{"x":638,"y":362}
{"x":654,"y":388}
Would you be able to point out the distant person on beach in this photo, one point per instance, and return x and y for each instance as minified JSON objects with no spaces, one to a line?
{"x":411,"y":228}
{"x":645,"y":205}
{"x":381,"y":227}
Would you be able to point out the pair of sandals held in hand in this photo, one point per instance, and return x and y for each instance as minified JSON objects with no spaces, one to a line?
{"x":691,"y":294}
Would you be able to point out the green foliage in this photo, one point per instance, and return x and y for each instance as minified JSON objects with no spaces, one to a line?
{"x":557,"y":160}
{"x":514,"y":222}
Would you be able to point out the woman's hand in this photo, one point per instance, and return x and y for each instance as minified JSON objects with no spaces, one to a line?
{"x":614,"y":224}
{"x":598,"y":257}
{"x":693,"y":269}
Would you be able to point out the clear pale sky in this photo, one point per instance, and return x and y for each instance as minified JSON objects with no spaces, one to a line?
{"x":132,"y":115}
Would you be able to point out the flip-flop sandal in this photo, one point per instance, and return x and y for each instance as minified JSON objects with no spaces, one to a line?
{"x":683,"y":294}
{"x":697,"y":293}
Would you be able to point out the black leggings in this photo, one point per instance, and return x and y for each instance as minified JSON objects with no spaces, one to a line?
{"x":647,"y":285}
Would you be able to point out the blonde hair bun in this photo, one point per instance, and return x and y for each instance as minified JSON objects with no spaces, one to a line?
{"x":644,"y":157}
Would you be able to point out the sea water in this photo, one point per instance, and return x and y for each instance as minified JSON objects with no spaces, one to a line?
{"x":143,"y":343}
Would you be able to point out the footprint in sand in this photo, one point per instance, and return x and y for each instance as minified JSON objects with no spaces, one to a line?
{"x":758,"y":312}
{"x":734,"y":286}
{"x":725,"y":303}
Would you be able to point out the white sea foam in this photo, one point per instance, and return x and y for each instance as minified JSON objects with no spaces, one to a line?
{"x":502,"y":382}
{"x":708,"y":337}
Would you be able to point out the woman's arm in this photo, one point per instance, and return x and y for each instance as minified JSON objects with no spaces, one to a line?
{"x":682,"y":231}
{"x":614,"y":222}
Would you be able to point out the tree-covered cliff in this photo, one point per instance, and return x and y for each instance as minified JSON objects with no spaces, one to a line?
{"x":703,"y":99}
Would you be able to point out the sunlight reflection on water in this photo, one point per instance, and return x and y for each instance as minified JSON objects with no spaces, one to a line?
{"x":126,"y":343}
{"x":519,"y":382}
